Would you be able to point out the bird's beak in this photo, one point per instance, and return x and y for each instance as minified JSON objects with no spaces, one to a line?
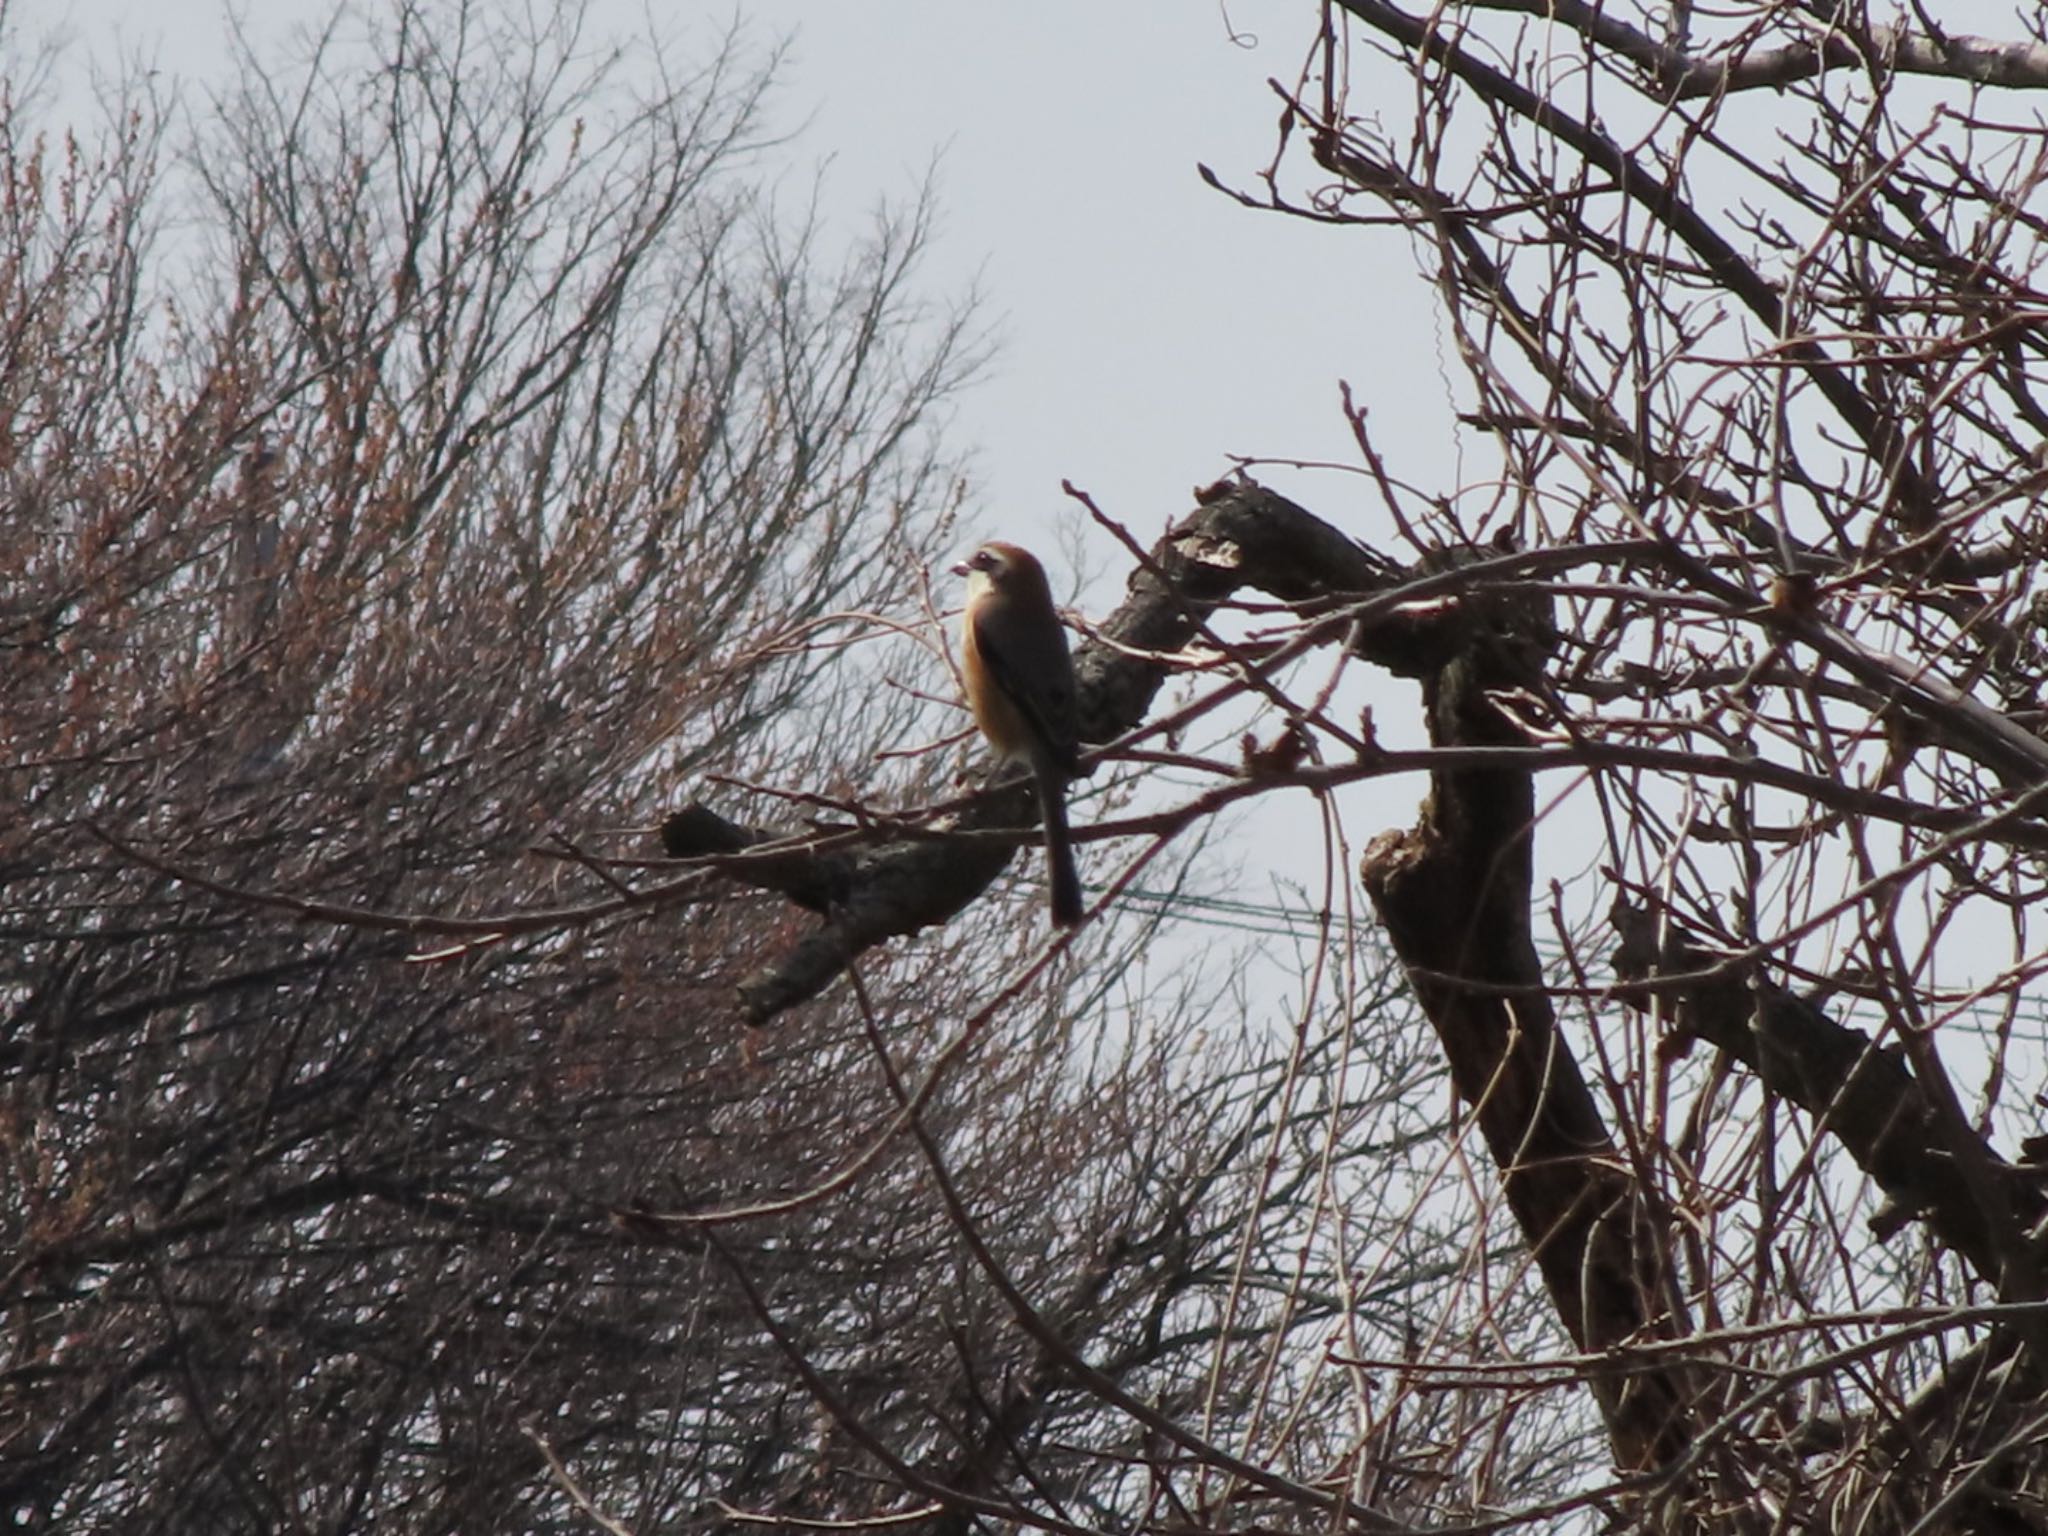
{"x":961,"y":569}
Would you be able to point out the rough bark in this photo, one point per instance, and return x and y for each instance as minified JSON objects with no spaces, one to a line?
{"x":1454,"y":895}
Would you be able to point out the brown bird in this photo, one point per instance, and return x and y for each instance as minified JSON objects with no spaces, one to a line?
{"x":1020,"y":684}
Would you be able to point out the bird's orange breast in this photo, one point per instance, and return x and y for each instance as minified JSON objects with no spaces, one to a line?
{"x":1001,"y":722}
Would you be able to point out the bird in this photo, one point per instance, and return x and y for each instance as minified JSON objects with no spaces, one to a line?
{"x":1020,"y":685}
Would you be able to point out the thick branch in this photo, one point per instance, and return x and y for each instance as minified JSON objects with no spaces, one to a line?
{"x":1244,"y":537}
{"x":1866,"y":1097}
{"x":1870,"y":1101}
{"x":1454,"y":894}
{"x":1684,"y":75}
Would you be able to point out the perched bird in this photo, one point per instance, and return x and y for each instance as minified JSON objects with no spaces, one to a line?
{"x":1020,"y":684}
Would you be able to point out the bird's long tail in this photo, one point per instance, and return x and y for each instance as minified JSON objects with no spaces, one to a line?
{"x":1059,"y":848}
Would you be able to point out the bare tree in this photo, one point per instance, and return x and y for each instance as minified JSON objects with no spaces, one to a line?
{"x":424,"y":472}
{"x":1751,"y":306}
{"x":370,"y":1169}
{"x":415,"y":466}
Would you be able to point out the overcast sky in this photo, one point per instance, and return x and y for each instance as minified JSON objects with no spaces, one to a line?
{"x":1148,"y":326}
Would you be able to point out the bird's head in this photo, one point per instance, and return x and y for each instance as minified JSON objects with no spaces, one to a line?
{"x":1000,"y":567}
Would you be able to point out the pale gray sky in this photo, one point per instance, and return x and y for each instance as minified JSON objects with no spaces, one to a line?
{"x":1148,"y":326}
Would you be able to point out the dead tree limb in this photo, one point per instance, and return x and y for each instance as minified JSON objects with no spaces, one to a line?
{"x":1243,"y":536}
